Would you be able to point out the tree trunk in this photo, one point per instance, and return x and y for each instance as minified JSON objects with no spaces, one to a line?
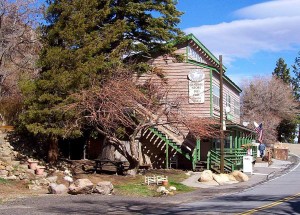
{"x":53,"y":150}
{"x":134,"y":158}
{"x":108,"y":151}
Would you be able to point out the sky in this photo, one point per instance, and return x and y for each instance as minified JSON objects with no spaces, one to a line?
{"x":251,"y":35}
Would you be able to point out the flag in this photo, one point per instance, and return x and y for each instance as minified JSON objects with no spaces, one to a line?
{"x":259,"y":131}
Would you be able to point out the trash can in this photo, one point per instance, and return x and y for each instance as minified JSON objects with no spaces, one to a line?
{"x":247,"y":164}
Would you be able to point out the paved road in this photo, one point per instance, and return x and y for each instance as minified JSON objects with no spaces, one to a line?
{"x":270,"y":195}
{"x":278,"y":196}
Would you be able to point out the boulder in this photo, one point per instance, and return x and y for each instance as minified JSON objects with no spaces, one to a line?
{"x":104,"y":188}
{"x":3,"y":172}
{"x":231,"y":177}
{"x":9,"y":168}
{"x":218,"y":179}
{"x":34,"y":187}
{"x":12,"y":177}
{"x":160,"y":189}
{"x":81,"y":186}
{"x":52,"y":179}
{"x":131,"y":172}
{"x":172,"y":188}
{"x":206,"y":176}
{"x":225,"y":177}
{"x":57,"y":189}
{"x":239,"y":176}
{"x":23,"y":176}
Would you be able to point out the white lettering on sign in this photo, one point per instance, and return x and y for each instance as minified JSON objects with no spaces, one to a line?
{"x":196,"y":86}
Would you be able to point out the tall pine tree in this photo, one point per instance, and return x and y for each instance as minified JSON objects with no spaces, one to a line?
{"x":296,"y":89}
{"x":287,"y":127}
{"x":281,"y":71}
{"x":84,"y":43}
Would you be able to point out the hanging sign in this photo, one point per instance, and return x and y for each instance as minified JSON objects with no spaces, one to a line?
{"x":196,"y":86}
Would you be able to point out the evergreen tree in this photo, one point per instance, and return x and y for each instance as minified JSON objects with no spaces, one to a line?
{"x":287,"y":127}
{"x":84,"y":43}
{"x":281,"y":71}
{"x":296,"y":88}
{"x":296,"y":78}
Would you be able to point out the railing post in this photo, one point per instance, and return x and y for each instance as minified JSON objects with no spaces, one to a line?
{"x":198,"y":145}
{"x":167,"y":155}
{"x":208,"y":161}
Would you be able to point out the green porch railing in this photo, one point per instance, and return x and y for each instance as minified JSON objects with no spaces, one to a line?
{"x":233,"y":158}
{"x":194,"y":157}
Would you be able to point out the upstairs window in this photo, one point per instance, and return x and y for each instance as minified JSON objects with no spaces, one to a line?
{"x":236,"y":107}
{"x":228,"y":101}
{"x":193,"y":55}
{"x":216,"y":95}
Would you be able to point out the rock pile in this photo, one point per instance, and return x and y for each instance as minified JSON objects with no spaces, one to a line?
{"x":82,"y":186}
{"x":221,"y":179}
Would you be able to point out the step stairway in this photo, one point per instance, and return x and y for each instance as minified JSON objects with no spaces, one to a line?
{"x":170,"y":145}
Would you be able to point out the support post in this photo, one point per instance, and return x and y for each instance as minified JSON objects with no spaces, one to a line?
{"x":198,"y":149}
{"x":236,"y":140}
{"x":221,"y":116}
{"x":167,"y":155}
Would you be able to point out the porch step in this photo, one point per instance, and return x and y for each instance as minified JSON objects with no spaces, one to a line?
{"x":200,"y":166}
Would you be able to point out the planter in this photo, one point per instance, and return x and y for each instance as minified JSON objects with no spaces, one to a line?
{"x":164,"y":183}
{"x":40,"y":170}
{"x":32,"y":164}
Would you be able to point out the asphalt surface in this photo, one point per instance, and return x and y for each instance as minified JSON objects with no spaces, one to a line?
{"x":266,"y":185}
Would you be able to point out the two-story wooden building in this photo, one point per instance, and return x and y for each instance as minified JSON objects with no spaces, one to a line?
{"x":196,"y":78}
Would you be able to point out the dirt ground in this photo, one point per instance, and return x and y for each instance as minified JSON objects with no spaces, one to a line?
{"x":10,"y":189}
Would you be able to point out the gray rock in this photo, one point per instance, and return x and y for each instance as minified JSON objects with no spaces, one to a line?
{"x":6,"y":159}
{"x":12,"y":177}
{"x":81,"y":186}
{"x":131,"y":172}
{"x":23,"y":176}
{"x":4,"y":172}
{"x":9,"y":168}
{"x":43,"y":181}
{"x":104,"y":188}
{"x":206,"y":176}
{"x":52,"y":179}
{"x":32,"y":171}
{"x":57,"y":188}
{"x":161,"y":189}
{"x":34,"y":187}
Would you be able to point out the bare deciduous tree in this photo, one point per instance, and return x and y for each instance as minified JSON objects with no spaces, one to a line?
{"x":120,"y":110}
{"x":19,"y":49}
{"x":267,"y":100}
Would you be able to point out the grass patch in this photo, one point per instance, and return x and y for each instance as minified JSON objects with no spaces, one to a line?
{"x":136,"y":190}
{"x":3,"y":181}
{"x":135,"y":186}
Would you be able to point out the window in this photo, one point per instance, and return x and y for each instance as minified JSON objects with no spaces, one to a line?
{"x":216,"y":95}
{"x":228,"y":101}
{"x":192,"y":54}
{"x":236,"y":107}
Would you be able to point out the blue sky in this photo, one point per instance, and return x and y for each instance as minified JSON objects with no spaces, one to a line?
{"x":250,"y":34}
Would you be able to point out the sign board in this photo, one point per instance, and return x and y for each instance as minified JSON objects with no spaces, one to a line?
{"x":196,"y":86}
{"x":247,"y":164}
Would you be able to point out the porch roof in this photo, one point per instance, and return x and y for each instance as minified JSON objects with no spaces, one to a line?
{"x":239,"y":127}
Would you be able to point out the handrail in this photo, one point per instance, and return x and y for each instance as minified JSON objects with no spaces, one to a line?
{"x":232,"y":157}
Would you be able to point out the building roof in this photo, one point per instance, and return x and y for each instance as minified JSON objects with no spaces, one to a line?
{"x":214,"y":61}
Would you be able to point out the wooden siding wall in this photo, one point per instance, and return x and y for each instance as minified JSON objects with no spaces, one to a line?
{"x":227,"y":89}
{"x":176,"y":75}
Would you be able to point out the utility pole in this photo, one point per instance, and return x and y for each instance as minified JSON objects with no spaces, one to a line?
{"x":221,"y":116}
